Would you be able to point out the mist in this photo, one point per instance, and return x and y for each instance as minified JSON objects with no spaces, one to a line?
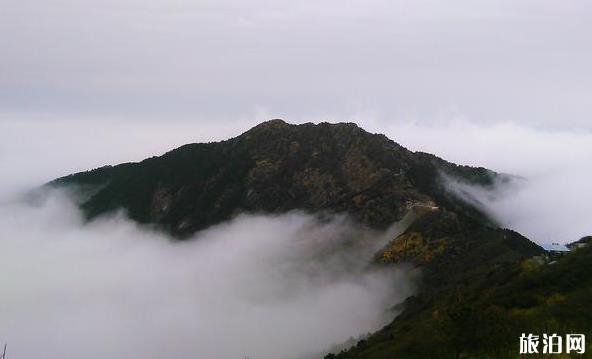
{"x":502,"y":84}
{"x":288,"y":286}
{"x":550,"y":204}
{"x":548,"y":201}
{"x":257,"y":286}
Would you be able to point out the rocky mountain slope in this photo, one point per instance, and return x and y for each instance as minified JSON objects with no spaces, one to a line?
{"x":481,"y":285}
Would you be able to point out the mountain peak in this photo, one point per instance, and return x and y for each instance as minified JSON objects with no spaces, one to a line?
{"x":276,"y":167}
{"x":273,"y":123}
{"x":278,"y":126}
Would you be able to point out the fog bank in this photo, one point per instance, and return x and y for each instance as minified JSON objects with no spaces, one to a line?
{"x":264,"y":287}
{"x":551,"y":203}
{"x":256,"y":286}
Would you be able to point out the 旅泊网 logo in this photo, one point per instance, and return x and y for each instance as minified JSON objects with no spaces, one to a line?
{"x":552,"y":344}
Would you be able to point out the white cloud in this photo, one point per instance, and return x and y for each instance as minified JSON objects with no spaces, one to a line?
{"x":111,"y":287}
{"x":266,"y":287}
{"x":551,"y":204}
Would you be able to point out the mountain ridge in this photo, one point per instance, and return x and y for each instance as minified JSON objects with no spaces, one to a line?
{"x":275,"y":167}
{"x":481,"y":284}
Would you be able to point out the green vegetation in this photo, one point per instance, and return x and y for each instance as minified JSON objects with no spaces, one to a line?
{"x":480,"y":293}
{"x":482,"y":286}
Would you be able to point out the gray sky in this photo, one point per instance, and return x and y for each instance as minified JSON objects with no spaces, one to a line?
{"x":522,"y":61}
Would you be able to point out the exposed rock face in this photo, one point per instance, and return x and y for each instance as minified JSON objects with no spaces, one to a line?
{"x":276,"y":167}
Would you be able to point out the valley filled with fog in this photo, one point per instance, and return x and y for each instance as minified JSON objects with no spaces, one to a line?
{"x":256,"y":286}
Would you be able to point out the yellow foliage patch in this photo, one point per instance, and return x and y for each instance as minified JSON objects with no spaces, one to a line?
{"x":412,"y":246}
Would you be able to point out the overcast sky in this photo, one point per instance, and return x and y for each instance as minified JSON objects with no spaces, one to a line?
{"x":204,"y":61}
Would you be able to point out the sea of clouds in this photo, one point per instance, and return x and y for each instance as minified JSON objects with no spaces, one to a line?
{"x":87,"y":83}
{"x":289,"y":286}
{"x":259,"y":286}
{"x":550,"y":201}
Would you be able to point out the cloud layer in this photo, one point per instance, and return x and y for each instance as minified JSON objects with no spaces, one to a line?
{"x":552,"y":202}
{"x":495,"y":60}
{"x":86,"y":83}
{"x":552,"y":205}
{"x":255,"y":286}
{"x":264,"y":287}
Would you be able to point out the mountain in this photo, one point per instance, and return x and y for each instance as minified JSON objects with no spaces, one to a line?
{"x":481,"y":285}
{"x":478,"y":303}
{"x":276,"y":167}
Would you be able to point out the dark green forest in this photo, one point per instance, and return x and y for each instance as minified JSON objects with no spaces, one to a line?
{"x":481,"y":285}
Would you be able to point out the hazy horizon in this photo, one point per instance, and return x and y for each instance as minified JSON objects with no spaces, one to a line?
{"x":551,"y":206}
